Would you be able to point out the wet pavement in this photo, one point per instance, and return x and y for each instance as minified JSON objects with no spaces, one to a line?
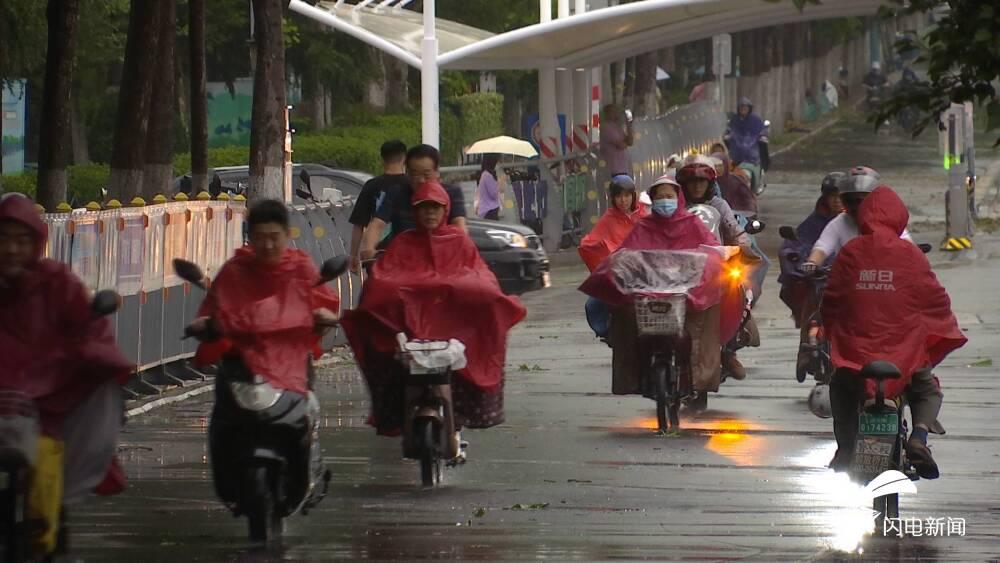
{"x":578,"y":474}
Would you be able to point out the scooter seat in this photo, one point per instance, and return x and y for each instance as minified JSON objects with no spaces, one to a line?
{"x":880,"y":371}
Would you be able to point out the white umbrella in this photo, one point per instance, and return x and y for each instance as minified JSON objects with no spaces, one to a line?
{"x":503,"y":145}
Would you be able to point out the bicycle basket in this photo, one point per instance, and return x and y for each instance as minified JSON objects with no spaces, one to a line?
{"x":19,"y":427}
{"x":662,"y":316}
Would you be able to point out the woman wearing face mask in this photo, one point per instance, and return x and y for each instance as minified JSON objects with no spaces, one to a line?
{"x":711,"y":313}
{"x":606,"y":237}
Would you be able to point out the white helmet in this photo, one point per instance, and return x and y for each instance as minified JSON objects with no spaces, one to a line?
{"x":819,"y":401}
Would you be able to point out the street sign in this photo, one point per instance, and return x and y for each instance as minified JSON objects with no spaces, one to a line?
{"x":722,"y":54}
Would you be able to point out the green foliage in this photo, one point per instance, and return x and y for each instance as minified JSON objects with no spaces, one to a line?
{"x":481,"y":115}
{"x":22,"y":38}
{"x":962,"y":54}
{"x":22,"y":183}
{"x":467,"y":119}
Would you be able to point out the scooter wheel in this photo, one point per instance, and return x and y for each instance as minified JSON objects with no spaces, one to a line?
{"x":429,"y":468}
{"x":264,"y":523}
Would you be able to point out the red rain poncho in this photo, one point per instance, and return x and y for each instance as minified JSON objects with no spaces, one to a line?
{"x":882,"y":300}
{"x":266,"y":315}
{"x":433,"y":285}
{"x":53,"y":348}
{"x":681,"y":231}
{"x":608,"y":235}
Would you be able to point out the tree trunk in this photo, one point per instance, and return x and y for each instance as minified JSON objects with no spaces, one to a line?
{"x":267,"y":132}
{"x":78,"y":136}
{"x":645,"y":85}
{"x":397,"y":83}
{"x":62,"y":17}
{"x":159,"y":171}
{"x":134,"y":96}
{"x":375,"y":88}
{"x":199,"y":98}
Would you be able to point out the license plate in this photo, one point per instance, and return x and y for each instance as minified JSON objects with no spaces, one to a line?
{"x":660,"y":307}
{"x":871,"y":457}
{"x":546,"y":279}
{"x":878,"y":424}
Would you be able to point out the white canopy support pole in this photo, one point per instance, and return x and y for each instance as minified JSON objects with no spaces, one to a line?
{"x":429,"y":82}
{"x":362,"y":4}
{"x":564,"y":90}
{"x":581,"y":98}
{"x":401,"y":5}
{"x":326,"y":18}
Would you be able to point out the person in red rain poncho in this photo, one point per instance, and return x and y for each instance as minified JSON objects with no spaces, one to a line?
{"x":713,"y":312}
{"x":58,"y":353}
{"x":266,"y":304}
{"x":883,"y":302}
{"x":432,"y":284}
{"x":605,"y":238}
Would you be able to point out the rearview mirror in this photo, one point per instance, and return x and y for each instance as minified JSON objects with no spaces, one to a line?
{"x":925,"y":248}
{"x":105,"y":302}
{"x":190,"y":272}
{"x":332,"y":269}
{"x":788,"y":233}
{"x":754,"y":227}
{"x":304,"y":176}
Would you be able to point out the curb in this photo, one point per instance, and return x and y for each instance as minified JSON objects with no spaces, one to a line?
{"x":173,"y":397}
{"x":198,"y":389}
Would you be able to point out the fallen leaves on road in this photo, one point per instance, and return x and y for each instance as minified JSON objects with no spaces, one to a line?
{"x":534,"y":506}
{"x":988,"y":362}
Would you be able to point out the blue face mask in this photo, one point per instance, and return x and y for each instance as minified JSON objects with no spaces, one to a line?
{"x":665,"y":207}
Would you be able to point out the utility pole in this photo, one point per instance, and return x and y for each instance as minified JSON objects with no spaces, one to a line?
{"x":956,"y":137}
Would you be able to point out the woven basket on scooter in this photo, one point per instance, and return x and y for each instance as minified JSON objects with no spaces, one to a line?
{"x":661,"y":316}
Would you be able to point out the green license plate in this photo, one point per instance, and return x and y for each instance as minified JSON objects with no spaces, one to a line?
{"x":873,"y":424}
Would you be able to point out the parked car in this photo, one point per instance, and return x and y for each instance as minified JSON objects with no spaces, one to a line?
{"x":513,"y":252}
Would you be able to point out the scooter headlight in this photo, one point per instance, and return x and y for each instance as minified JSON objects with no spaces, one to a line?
{"x":256,"y":396}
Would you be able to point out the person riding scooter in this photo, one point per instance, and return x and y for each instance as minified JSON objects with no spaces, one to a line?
{"x":844,"y":227}
{"x":796,"y":288}
{"x":697,"y":176}
{"x":63,"y":359}
{"x":606,"y":236}
{"x":712,"y":313}
{"x":734,"y":188}
{"x":261,"y":321}
{"x":883,"y":302}
{"x":432,"y":284}
{"x":744,"y":135}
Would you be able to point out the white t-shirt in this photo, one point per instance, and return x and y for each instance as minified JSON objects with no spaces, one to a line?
{"x":840,"y":230}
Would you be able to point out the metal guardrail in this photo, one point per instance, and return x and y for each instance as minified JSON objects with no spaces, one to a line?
{"x":132,"y":249}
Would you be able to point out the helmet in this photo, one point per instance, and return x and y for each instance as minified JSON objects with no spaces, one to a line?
{"x":819,"y":401}
{"x":623,"y":182}
{"x":696,"y":167}
{"x":667,"y":179}
{"x":861,"y":179}
{"x":876,"y":65}
{"x":832,"y":183}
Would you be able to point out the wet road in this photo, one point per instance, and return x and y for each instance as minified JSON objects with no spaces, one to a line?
{"x":577,"y":473}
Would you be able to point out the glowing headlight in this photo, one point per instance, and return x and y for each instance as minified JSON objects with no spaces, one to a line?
{"x":509,"y":238}
{"x":735,"y":273}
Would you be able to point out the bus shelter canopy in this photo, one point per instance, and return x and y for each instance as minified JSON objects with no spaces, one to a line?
{"x":582,"y":40}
